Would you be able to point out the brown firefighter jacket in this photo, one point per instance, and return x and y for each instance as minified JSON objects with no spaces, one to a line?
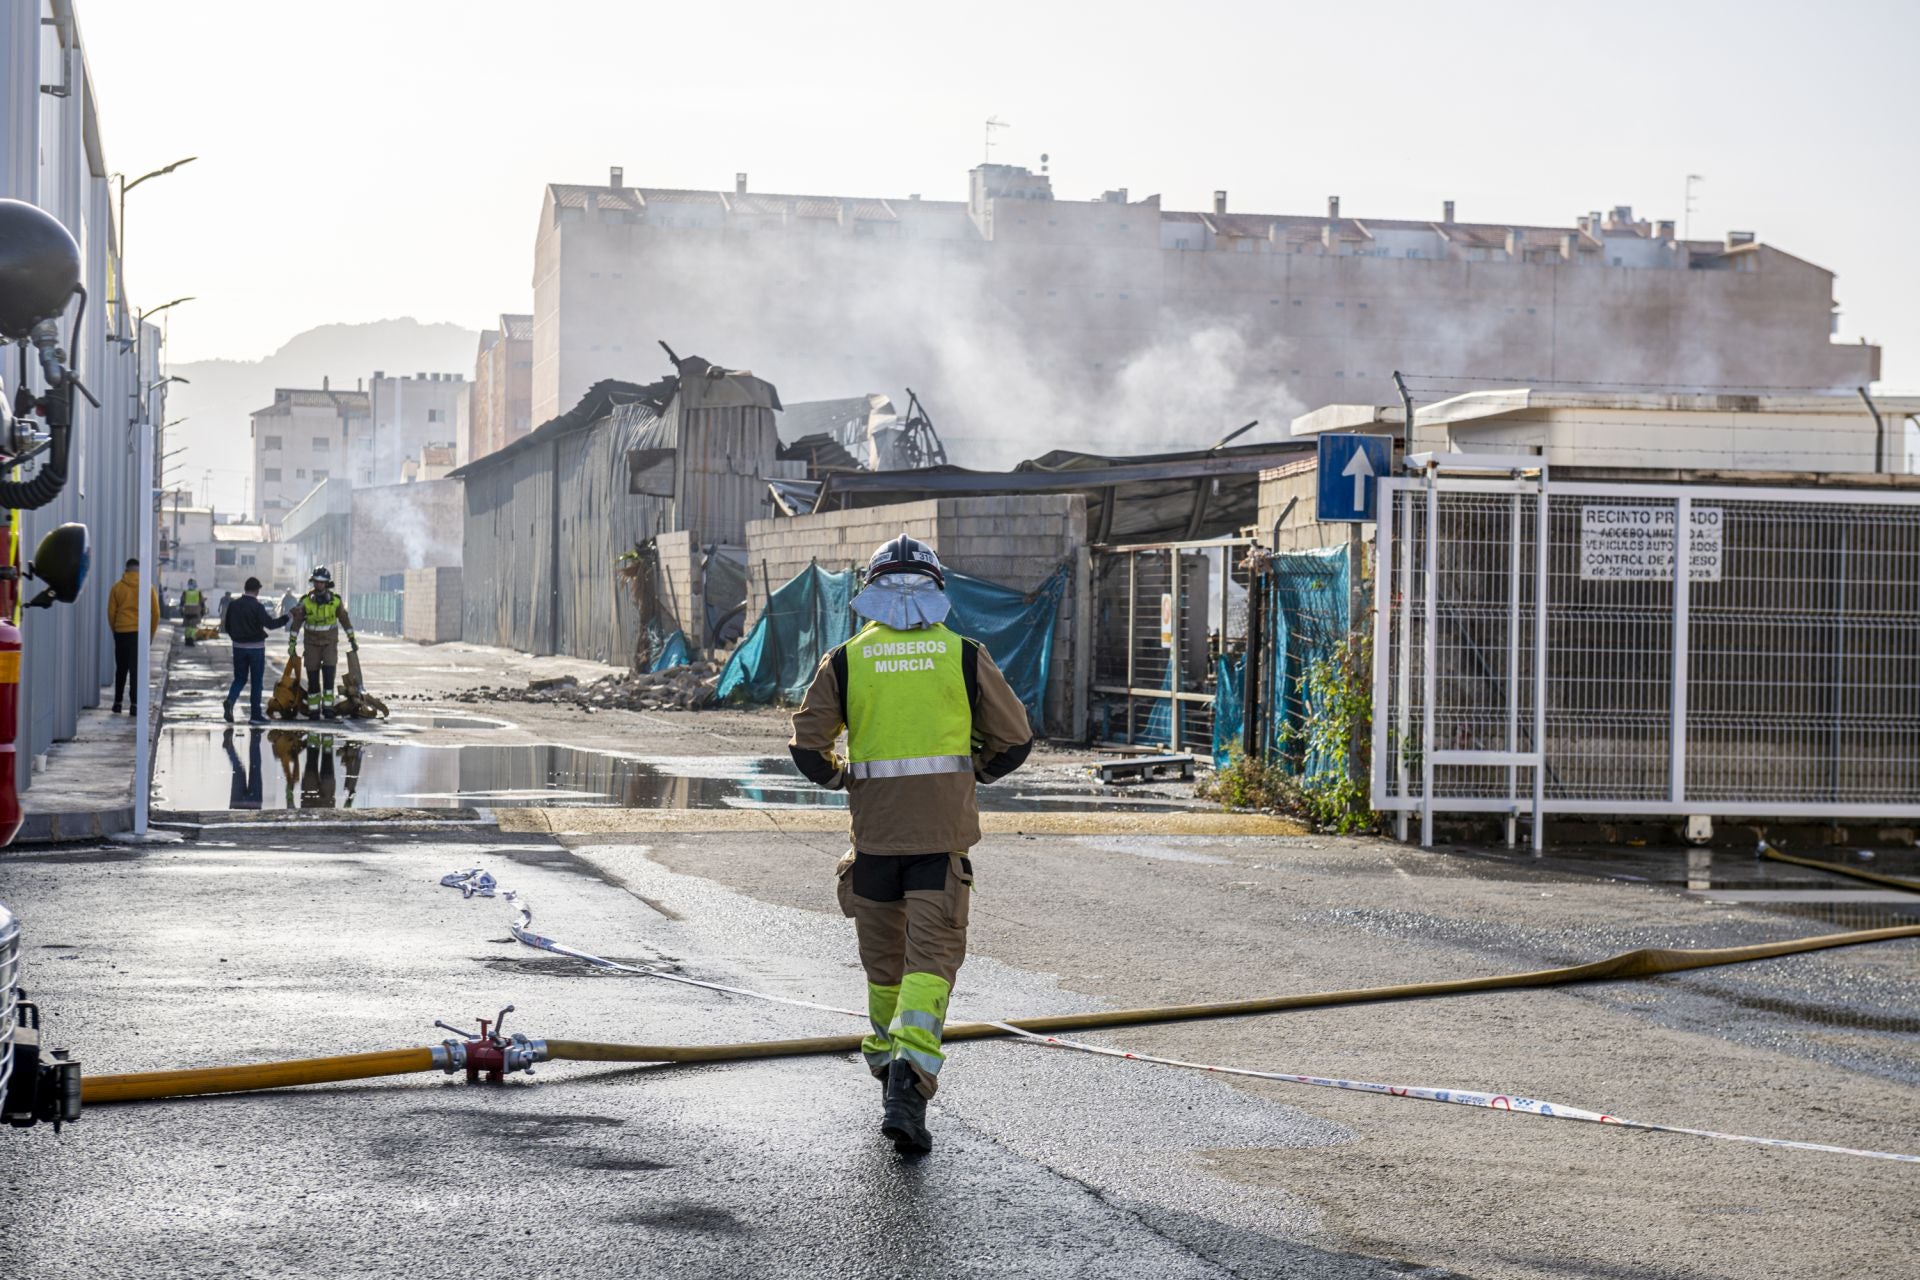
{"x":931,"y":813}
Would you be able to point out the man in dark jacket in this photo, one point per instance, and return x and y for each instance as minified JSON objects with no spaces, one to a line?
{"x":247,"y":625}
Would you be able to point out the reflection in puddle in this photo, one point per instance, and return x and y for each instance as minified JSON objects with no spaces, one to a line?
{"x":197,"y":769}
{"x":200,"y":766}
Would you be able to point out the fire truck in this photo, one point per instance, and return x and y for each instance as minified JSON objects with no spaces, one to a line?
{"x":39,"y":287}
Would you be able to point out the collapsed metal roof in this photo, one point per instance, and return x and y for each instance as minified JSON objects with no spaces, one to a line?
{"x":702,"y":383}
{"x":1139,"y":498}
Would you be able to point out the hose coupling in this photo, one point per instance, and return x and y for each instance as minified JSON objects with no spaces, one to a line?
{"x":53,"y":360}
{"x":488,"y":1053}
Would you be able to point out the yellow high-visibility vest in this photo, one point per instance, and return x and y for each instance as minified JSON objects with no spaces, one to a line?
{"x":907,"y":709}
{"x":316,"y":616}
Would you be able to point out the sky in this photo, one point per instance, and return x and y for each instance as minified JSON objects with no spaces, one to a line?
{"x":361,"y":160}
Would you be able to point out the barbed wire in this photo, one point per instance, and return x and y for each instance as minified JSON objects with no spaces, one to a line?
{"x":1514,"y":381}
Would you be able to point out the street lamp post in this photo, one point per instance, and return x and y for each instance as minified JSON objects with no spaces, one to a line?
{"x":148,"y":512}
{"x":126,"y":186}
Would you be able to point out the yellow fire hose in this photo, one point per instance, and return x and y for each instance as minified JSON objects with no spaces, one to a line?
{"x":1873,"y":877}
{"x":1643,"y":963}
{"x":144,"y":1085}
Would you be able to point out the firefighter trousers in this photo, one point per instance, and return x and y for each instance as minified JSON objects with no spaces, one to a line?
{"x":910,"y":915}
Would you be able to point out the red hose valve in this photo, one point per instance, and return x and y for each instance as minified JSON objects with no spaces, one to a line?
{"x":489,"y":1053}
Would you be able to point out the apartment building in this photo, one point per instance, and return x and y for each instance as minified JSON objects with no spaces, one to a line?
{"x":501,"y":401}
{"x":1024,"y":316}
{"x":408,"y":415}
{"x":301,"y":440}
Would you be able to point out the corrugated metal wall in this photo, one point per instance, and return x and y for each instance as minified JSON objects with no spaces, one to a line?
{"x":507,"y":572}
{"x":516,"y":554}
{"x":50,"y":157}
{"x":600,"y":520}
{"x":724,"y":455}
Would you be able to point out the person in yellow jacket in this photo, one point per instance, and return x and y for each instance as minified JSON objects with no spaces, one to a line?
{"x":928,"y":716}
{"x":123,"y":619}
{"x":322,"y":614}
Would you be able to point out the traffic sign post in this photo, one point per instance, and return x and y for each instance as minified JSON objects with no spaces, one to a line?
{"x":1349,"y":466}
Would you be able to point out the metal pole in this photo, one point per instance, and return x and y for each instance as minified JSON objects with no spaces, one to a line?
{"x":1513,"y":665}
{"x":1542,"y":529}
{"x":1383,"y":562}
{"x":1879,"y":433}
{"x":1406,"y":408}
{"x":1133,"y":631}
{"x":1682,"y":648}
{"x":1836,"y":699}
{"x":1252,"y":690}
{"x":1173,"y":659}
{"x":1406,"y":599}
{"x":1356,"y":603}
{"x":1403,"y":712}
{"x":144,"y":512}
{"x":1429,"y":648}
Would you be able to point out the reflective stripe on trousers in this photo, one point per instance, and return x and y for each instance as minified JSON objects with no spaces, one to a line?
{"x":912,"y":767}
{"x":877,"y":1048}
{"x":918,"y":1020}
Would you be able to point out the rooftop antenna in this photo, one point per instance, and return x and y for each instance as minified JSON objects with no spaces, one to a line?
{"x":1686,"y":224}
{"x":993,"y":122}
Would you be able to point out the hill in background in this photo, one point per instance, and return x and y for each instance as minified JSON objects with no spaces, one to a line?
{"x":222,"y":393}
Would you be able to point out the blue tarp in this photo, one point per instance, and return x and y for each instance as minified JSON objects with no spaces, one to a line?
{"x":1307,"y":617}
{"x":1229,"y":705}
{"x":1016,"y":628}
{"x":813,"y":612}
{"x":671,"y":654}
{"x":808,"y":615}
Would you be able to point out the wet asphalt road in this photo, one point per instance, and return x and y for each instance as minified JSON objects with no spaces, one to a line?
{"x":256,"y":944}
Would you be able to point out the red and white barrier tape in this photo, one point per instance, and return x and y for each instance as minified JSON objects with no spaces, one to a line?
{"x":1458,"y":1097}
{"x":521,"y":928}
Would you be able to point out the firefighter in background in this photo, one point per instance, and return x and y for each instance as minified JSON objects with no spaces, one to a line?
{"x":927,"y":716}
{"x":193,"y":607}
{"x":322,"y":614}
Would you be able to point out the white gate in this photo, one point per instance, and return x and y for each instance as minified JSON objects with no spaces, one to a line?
{"x":1662,"y":649}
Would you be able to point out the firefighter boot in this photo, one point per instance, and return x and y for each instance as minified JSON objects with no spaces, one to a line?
{"x":905,"y":1120}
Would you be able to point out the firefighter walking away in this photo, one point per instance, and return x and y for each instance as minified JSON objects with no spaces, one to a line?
{"x":928,"y":716}
{"x":322,"y":615}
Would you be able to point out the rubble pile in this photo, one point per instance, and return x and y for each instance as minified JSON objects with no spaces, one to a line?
{"x":680,"y":688}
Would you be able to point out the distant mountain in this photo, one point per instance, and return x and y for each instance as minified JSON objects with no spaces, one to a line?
{"x":220,"y":394}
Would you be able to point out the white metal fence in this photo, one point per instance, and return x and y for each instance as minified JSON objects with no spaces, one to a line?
{"x":1586,"y":672}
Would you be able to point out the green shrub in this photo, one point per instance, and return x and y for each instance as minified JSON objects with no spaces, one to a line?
{"x":1252,"y":783}
{"x":1336,"y":742}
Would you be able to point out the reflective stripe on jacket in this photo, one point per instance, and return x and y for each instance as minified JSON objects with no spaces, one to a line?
{"x":318,"y":617}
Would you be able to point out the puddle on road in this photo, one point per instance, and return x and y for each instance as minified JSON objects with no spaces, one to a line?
{"x":200,"y":767}
{"x":286,"y":768}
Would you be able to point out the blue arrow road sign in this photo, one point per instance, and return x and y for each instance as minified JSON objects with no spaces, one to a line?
{"x":1349,"y":465}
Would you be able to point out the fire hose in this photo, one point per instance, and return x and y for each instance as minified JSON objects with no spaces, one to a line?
{"x":1871,"y":877}
{"x":494,"y":1055}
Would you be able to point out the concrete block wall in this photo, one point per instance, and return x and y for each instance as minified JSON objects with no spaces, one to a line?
{"x":1016,"y":540}
{"x":398,"y":527}
{"x":433,"y":605}
{"x":779,"y":549}
{"x":1288,"y":497}
{"x":680,"y":566}
{"x":1300,"y":528}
